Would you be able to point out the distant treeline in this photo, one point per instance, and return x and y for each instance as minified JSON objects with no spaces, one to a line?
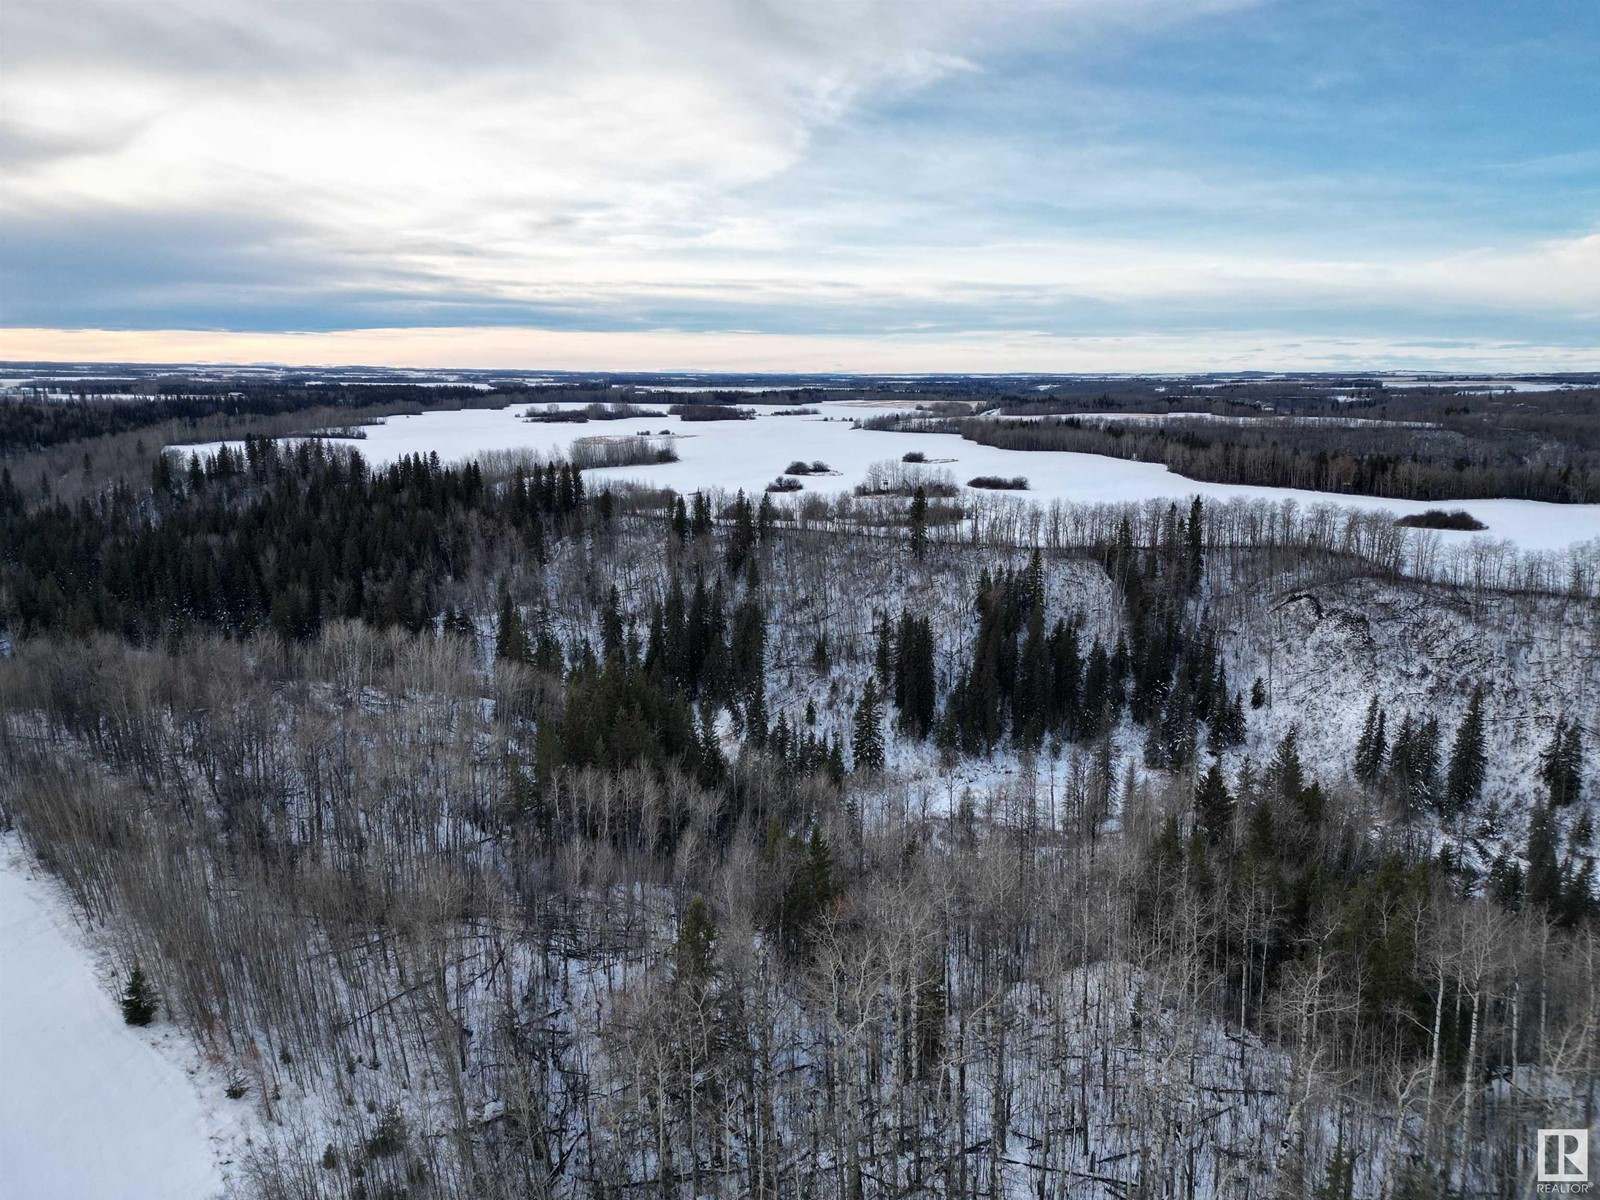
{"x":1393,"y":461}
{"x":27,"y":425}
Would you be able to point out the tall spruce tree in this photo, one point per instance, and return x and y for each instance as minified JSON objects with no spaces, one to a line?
{"x":918,"y":521}
{"x":693,"y":955}
{"x":915,"y":691}
{"x":866,"y":746}
{"x":1561,"y":764}
{"x":1195,"y":556}
{"x":511,"y":638}
{"x":1287,"y":772}
{"x":1213,"y":805}
{"x":1543,"y":880}
{"x":1372,"y":747}
{"x":1464,"y":779}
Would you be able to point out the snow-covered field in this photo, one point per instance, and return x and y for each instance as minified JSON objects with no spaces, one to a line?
{"x":90,"y":1108}
{"x":750,"y":454}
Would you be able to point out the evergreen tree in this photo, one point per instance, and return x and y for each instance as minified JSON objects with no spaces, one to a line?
{"x":1464,"y":779}
{"x":883,"y":652}
{"x":693,"y":954}
{"x":712,"y":765}
{"x":511,"y":639}
{"x":835,"y":761}
{"x":807,"y":891}
{"x":1543,"y":880}
{"x":742,"y":540}
{"x":1033,"y":681}
{"x":918,"y":521}
{"x":915,"y":692}
{"x":1506,"y":881}
{"x":821,"y":659}
{"x":1561,"y":765}
{"x":1213,"y":805}
{"x":1578,"y":900}
{"x":1372,"y":747}
{"x":139,"y":999}
{"x":1287,"y":772}
{"x":1425,"y":763}
{"x":1195,"y":528}
{"x":747,"y":647}
{"x":866,"y":746}
{"x":1258,"y":693}
{"x":457,"y":623}
{"x":611,"y":624}
{"x":1414,"y":763}
{"x":1097,"y":709}
{"x":1228,"y":724}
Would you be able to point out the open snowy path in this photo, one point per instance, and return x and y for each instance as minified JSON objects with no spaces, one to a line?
{"x":89,"y":1109}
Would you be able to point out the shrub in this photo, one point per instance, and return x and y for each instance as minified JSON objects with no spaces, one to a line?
{"x":619,"y":411}
{"x":619,"y":452}
{"x":895,"y":479}
{"x":784,"y":483}
{"x":804,"y":468}
{"x":556,"y":416}
{"x":711,"y":412}
{"x":1437,"y":518}
{"x":1002,"y":483}
{"x":389,"y":1138}
{"x":914,"y":456}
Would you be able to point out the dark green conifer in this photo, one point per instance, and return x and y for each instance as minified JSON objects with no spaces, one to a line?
{"x":1464,"y":779}
{"x":139,"y":999}
{"x":1213,"y":805}
{"x":866,"y":746}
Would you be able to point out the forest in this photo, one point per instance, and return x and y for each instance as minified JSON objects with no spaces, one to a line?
{"x":504,"y":830}
{"x":1399,"y":445}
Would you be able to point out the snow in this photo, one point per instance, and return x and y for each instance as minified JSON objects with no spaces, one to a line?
{"x":750,"y":454}
{"x":90,"y":1108}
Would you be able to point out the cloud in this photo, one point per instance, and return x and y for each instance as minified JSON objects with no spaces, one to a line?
{"x":513,"y":128}
{"x":687,"y":167}
{"x":985,"y":351}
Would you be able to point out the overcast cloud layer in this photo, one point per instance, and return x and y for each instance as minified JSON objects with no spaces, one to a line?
{"x":1029,"y":184}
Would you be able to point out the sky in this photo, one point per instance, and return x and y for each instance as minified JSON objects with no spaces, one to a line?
{"x":873,"y":185}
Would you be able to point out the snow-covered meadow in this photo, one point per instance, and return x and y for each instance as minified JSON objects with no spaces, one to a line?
{"x":748,"y":455}
{"x":90,"y":1108}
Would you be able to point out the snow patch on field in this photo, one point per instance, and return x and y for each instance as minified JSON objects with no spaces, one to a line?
{"x":90,"y":1108}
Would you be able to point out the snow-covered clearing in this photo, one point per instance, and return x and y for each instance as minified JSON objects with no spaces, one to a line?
{"x":90,"y":1108}
{"x":750,"y":454}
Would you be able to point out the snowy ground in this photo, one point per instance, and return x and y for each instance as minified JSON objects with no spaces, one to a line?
{"x":90,"y":1109}
{"x":750,"y":454}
